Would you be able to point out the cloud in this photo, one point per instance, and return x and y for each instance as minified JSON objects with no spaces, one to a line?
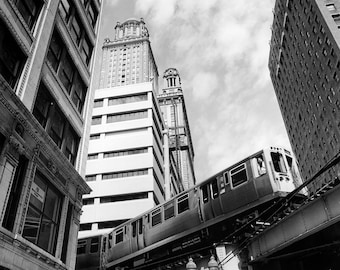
{"x":112,"y":3}
{"x":221,"y":51}
{"x":204,"y":84}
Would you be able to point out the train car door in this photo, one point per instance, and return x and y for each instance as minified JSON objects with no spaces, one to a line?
{"x":137,"y":238}
{"x":206,"y":202}
{"x":215,"y":198}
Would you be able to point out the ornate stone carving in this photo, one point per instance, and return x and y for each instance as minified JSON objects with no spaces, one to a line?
{"x":16,"y":145}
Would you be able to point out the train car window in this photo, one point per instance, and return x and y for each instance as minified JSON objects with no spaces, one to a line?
{"x":290,"y":161}
{"x":169,"y":210}
{"x":278,"y":163}
{"x":119,"y":235}
{"x":156,"y":217}
{"x":110,"y":240}
{"x":183,"y":203}
{"x":205,"y":193}
{"x":220,"y":180}
{"x":140,"y":227}
{"x":258,"y":165}
{"x":214,"y":189}
{"x":81,"y":248}
{"x":94,"y":245}
{"x":104,"y":244}
{"x":134,"y":228}
{"x":238,"y":175}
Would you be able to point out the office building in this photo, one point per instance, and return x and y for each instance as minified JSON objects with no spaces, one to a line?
{"x":171,"y":100}
{"x":304,"y":65}
{"x":45,"y":66}
{"x":125,"y":166}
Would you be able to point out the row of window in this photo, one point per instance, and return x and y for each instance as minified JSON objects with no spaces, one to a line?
{"x":70,"y":15}
{"x":121,"y":100}
{"x":101,"y":225}
{"x":12,"y":58}
{"x":66,"y":70}
{"x":113,"y":118}
{"x":117,"y":198}
{"x":119,"y":132}
{"x":51,"y":118}
{"x":115,"y":175}
{"x":169,"y":210}
{"x":119,"y":153}
{"x":42,"y":220}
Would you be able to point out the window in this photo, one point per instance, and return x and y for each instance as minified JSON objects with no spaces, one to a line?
{"x":126,"y":116}
{"x":50,"y":117}
{"x":205,"y":193}
{"x":156,"y":217}
{"x":88,"y":201}
{"x":125,"y":152}
{"x":128,"y":99}
{"x":65,"y":9}
{"x":214,"y":189}
{"x":86,"y":49}
{"x":81,"y":247}
{"x":95,"y":137}
{"x":92,"y":156}
{"x":97,"y":120}
{"x":15,"y":194}
{"x":89,"y":178}
{"x":124,"y":197}
{"x":91,"y":13}
{"x":75,"y":29}
{"x":66,"y":71}
{"x":259,"y":166}
{"x":238,"y":175}
{"x":11,"y":57}
{"x":98,"y":103}
{"x":42,"y":218}
{"x":85,"y":227}
{"x":110,"y":223}
{"x":119,"y":235}
{"x":220,"y":179}
{"x":183,"y":203}
{"x":169,"y":210}
{"x":29,"y":10}
{"x":94,"y":245}
{"x":122,"y":174}
{"x":278,"y":162}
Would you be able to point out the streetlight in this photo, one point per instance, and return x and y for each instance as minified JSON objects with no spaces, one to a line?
{"x":191,"y":265}
{"x":212,"y":264}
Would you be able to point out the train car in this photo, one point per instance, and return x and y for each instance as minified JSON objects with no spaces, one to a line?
{"x":91,"y":252}
{"x":264,"y":176}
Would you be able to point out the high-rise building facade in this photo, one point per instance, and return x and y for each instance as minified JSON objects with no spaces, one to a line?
{"x":304,"y":65}
{"x":128,"y":58}
{"x":125,"y":166}
{"x":171,"y":100}
{"x":45,"y":70}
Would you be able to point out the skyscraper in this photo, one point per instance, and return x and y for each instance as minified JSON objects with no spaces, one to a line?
{"x":304,"y":65}
{"x":45,"y":70}
{"x":171,"y":100}
{"x":125,"y":166}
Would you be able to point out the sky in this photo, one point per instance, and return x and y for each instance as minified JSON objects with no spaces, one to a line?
{"x":221,"y":50}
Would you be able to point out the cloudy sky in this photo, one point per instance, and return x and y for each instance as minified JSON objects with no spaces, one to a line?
{"x":221,"y":50}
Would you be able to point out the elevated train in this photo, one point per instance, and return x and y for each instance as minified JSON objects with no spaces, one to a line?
{"x":178,"y":224}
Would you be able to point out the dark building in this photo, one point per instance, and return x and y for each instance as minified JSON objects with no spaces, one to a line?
{"x":304,"y":65}
{"x":45,"y":69}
